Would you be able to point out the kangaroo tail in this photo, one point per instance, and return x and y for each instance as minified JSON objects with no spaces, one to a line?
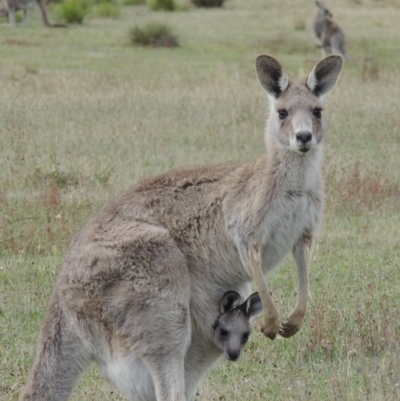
{"x":60,"y":358}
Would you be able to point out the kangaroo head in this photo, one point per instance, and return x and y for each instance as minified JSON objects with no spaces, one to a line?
{"x":232,"y":328}
{"x":296,"y":122}
{"x":323,"y":12}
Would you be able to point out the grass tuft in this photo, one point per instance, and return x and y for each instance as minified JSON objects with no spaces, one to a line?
{"x":153,"y":34}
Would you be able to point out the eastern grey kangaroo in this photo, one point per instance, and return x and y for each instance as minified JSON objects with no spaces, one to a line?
{"x":232,"y":327}
{"x":329,"y":35}
{"x":145,"y":276}
{"x":11,"y":6}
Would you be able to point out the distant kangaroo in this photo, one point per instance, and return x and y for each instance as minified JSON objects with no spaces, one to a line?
{"x":11,"y":6}
{"x":329,"y":35}
{"x":143,"y":279}
{"x":232,"y":328}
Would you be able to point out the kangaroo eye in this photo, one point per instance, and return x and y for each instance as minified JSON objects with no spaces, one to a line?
{"x":317,"y":112}
{"x":283,"y":113}
{"x":224,"y":333}
{"x":245,"y":338}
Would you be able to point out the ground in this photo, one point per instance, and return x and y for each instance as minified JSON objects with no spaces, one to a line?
{"x":84,"y":115}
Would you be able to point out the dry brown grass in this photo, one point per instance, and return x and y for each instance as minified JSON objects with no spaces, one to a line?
{"x":363,"y":191}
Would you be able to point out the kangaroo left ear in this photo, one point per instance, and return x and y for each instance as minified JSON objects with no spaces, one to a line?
{"x":230,"y":300}
{"x":324,"y":75}
{"x":253,"y":305}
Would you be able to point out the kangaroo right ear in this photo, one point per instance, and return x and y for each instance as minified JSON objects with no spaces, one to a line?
{"x":230,"y":300}
{"x":253,"y":305}
{"x":324,"y":75}
{"x":271,"y":76}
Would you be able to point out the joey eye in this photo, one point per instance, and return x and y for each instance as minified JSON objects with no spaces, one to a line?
{"x":283,"y":113}
{"x":317,"y":112}
{"x":224,"y":333}
{"x":245,"y":338}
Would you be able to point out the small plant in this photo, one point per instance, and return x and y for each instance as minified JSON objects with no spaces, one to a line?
{"x":164,"y":5}
{"x":153,"y":34}
{"x":107,"y":10}
{"x":299,"y":24}
{"x":208,"y":3}
{"x":73,"y":11}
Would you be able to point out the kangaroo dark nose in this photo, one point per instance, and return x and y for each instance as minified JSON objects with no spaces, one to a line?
{"x":304,"y":137}
{"x":233,"y":356}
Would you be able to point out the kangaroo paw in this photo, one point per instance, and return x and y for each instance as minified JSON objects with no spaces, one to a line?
{"x":291,"y":326}
{"x":270,"y":327}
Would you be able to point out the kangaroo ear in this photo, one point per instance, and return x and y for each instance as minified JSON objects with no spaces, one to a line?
{"x":324,"y":75}
{"x":230,"y":300}
{"x":253,"y":305}
{"x":271,"y":76}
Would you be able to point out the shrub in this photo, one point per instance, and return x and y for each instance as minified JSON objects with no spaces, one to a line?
{"x":153,"y":34}
{"x":107,"y":10}
{"x":165,"y":5}
{"x":133,"y":2}
{"x":208,"y":3}
{"x":73,"y":11}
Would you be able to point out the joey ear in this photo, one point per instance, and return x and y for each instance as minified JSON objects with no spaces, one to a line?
{"x":253,"y":305}
{"x":215,"y":324}
{"x":230,"y":300}
{"x":271,"y":76}
{"x":324,"y":75}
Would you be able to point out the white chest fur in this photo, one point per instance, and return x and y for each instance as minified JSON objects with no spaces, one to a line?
{"x":287,"y":219}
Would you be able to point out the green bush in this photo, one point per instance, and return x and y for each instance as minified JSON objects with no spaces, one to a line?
{"x":165,"y":5}
{"x":153,"y":34}
{"x":107,"y":10}
{"x":133,"y":2}
{"x":208,"y":3}
{"x":73,"y":11}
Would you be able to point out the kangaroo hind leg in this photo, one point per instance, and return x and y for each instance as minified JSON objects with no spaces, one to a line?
{"x":151,"y":346}
{"x":168,"y":375}
{"x":149,"y":307}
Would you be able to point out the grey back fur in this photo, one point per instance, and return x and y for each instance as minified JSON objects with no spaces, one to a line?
{"x":329,"y":35}
{"x":144,"y":278}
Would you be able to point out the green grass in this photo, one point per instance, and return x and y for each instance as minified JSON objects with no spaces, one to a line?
{"x":84,"y":115}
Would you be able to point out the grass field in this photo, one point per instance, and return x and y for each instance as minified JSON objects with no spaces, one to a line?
{"x":84,"y":115}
